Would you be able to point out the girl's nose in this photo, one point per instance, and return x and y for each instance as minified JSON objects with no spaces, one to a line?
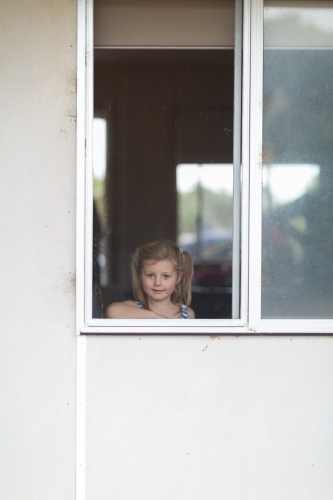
{"x":157,"y":280}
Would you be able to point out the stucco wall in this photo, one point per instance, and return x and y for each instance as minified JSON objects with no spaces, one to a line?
{"x":37,"y":271}
{"x":197,"y":418}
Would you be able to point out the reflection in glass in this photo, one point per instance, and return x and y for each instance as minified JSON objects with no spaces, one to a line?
{"x":205,"y":211}
{"x":100,"y":262}
{"x":285,"y":183}
{"x":297,"y":271}
{"x":205,"y":217}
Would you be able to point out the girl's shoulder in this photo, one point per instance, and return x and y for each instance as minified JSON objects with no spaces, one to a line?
{"x":190,"y":313}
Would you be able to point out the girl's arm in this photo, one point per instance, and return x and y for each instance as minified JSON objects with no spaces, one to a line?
{"x":129,"y":310}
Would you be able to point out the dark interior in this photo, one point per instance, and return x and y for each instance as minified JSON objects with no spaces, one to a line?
{"x":163,"y":107}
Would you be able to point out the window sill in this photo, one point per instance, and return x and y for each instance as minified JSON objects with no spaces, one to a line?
{"x":207,"y":327}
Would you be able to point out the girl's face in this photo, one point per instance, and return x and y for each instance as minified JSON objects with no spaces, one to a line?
{"x":159,"y":278}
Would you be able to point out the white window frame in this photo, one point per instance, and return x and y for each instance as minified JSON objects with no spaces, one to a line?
{"x":249,"y":321}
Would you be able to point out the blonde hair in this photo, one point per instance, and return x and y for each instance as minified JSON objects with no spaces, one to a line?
{"x":164,"y":250}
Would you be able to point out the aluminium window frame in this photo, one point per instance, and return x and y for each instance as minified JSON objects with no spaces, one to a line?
{"x":249,"y":321}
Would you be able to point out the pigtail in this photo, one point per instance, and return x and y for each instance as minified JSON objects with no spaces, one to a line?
{"x":186,"y":281}
{"x":136,"y":266}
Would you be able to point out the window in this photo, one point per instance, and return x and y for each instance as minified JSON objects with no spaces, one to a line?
{"x":297,"y":141}
{"x":184,"y":142}
{"x":296,"y":249}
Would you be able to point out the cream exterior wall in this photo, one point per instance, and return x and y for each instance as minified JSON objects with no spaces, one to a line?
{"x":37,"y":270}
{"x":237,"y":418}
{"x":166,"y":417}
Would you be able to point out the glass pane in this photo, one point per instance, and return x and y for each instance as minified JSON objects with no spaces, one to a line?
{"x":297,"y":271}
{"x":163,"y":107}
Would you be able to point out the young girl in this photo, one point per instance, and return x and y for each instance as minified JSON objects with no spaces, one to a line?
{"x":161,"y":278}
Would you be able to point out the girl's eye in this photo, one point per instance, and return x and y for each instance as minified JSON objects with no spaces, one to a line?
{"x":166,"y":276}
{"x":149,"y":275}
